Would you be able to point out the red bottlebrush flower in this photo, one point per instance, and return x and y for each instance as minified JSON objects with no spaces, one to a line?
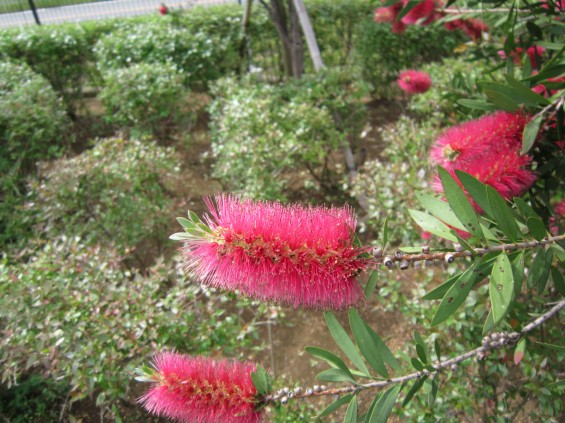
{"x":422,"y":12}
{"x":560,"y":208}
{"x":541,"y":89}
{"x":515,"y":54}
{"x":294,"y":255}
{"x":414,"y":82}
{"x":198,"y":389}
{"x":163,"y":10}
{"x":489,"y":149}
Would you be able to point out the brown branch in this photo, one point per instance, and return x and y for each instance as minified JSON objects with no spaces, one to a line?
{"x":450,"y":256}
{"x":490,"y":342}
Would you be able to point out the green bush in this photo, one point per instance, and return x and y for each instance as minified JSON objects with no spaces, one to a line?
{"x":201,"y":55}
{"x":115,"y":193}
{"x":61,"y":53}
{"x":266,"y":138}
{"x":147,"y":97}
{"x":32,"y":128}
{"x":388,"y":195}
{"x":72,"y":314}
{"x":383,"y":54}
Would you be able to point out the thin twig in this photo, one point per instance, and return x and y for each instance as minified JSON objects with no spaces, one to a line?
{"x":490,"y":342}
{"x":449,"y":255}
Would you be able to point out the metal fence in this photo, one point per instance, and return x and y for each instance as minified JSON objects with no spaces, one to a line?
{"x":33,"y":12}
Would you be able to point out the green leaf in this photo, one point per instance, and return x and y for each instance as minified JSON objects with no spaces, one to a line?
{"x":558,"y":280}
{"x":460,"y":204}
{"x":371,"y":284}
{"x":520,"y":351}
{"x":351,"y":413}
{"x":477,"y":104}
{"x":415,"y":388}
{"x":421,"y":348}
{"x":539,"y":270}
{"x":180,"y":236}
{"x":385,"y":232}
{"x":194,"y":217}
{"x":330,"y":358}
{"x":261,"y":381}
{"x":345,"y":343}
{"x":503,"y":215}
{"x":417,"y":364}
{"x":439,"y":209}
{"x":437,"y":349}
{"x":456,"y":295}
{"x":334,"y":375}
{"x":431,"y":224}
{"x":558,"y":251}
{"x":335,"y":405}
{"x":501,"y":288}
{"x":409,"y":6}
{"x":525,"y":209}
{"x":476,"y":189}
{"x":439,"y":291}
{"x":518,"y":273}
{"x":489,"y":323}
{"x":364,"y":341}
{"x":433,"y":392}
{"x":384,"y":405}
{"x":530,"y":133}
{"x":501,"y":100}
{"x":527,"y":96}
{"x":185,"y":222}
{"x":536,"y":228}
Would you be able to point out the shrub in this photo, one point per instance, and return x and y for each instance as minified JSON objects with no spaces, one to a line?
{"x":114,"y":193}
{"x":200,"y":55}
{"x":388,"y":196}
{"x":32,"y":125}
{"x":147,"y":97}
{"x":383,"y":54}
{"x":73,"y":315}
{"x":60,"y":53}
{"x":265,"y":136}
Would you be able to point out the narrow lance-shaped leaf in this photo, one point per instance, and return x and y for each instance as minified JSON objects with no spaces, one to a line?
{"x":351,"y":413}
{"x":460,"y":204}
{"x":456,"y":295}
{"x":345,"y":343}
{"x":371,"y":284}
{"x":365,"y":343}
{"x":501,"y":288}
{"x":330,"y":358}
{"x":476,"y":189}
{"x":384,"y":405}
{"x":530,"y":133}
{"x":335,"y":405}
{"x":503,"y":215}
{"x":415,"y":388}
{"x":439,"y":209}
{"x":261,"y":380}
{"x":431,"y":224}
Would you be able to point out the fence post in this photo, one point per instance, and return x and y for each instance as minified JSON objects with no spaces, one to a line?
{"x":34,"y":11}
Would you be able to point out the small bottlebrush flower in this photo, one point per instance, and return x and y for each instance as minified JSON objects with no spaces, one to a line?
{"x":414,"y":82}
{"x":163,"y":10}
{"x":388,"y":13}
{"x":489,"y":149}
{"x":515,"y":54}
{"x":541,"y":89}
{"x":292,"y":255}
{"x":560,"y":208}
{"x":201,"y":390}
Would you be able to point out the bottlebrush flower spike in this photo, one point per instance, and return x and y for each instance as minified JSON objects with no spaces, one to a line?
{"x":414,"y":82}
{"x":489,"y":149}
{"x":201,"y":390}
{"x":292,"y":255}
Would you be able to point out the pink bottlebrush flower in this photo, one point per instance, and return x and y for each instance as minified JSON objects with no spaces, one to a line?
{"x":560,"y":208}
{"x":515,"y":54}
{"x":202,"y":390}
{"x":489,"y":149}
{"x":294,"y":255}
{"x":414,"y":82}
{"x":163,"y":10}
{"x":541,"y":89}
{"x":398,"y":27}
{"x":422,"y":12}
